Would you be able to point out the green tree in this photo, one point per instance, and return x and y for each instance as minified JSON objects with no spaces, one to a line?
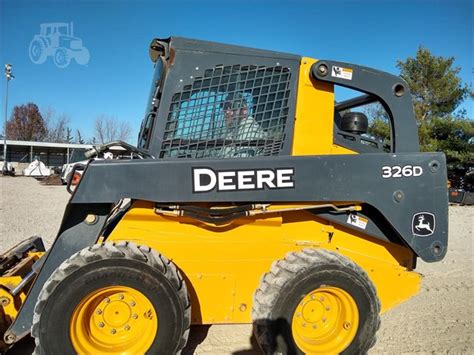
{"x":437,"y":92}
{"x":26,"y":123}
{"x":379,"y":126}
{"x":451,"y":135}
{"x":434,"y":83}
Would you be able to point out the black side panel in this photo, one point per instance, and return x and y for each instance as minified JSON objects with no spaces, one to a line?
{"x":75,"y":234}
{"x":314,"y":179}
{"x":371,"y":222}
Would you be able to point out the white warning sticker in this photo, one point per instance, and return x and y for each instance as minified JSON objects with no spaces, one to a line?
{"x":357,"y":221}
{"x":340,"y":72}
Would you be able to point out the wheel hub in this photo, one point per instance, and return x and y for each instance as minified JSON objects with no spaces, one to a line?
{"x":312,"y":311}
{"x":118,"y":319}
{"x":325,"y":321}
{"x":116,"y":312}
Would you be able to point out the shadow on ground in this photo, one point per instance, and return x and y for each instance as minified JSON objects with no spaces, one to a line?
{"x":199,"y":333}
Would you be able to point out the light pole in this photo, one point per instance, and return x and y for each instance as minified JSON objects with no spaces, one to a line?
{"x":8,"y":76}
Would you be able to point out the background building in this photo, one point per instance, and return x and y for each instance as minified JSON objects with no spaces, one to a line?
{"x":22,"y":153}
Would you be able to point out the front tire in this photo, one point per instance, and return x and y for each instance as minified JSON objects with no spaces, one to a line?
{"x":113,"y":298}
{"x":62,"y":57}
{"x":316,"y":302}
{"x":83,"y":56}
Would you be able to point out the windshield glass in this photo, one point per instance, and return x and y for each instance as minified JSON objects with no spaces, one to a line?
{"x":232,"y":111}
{"x":151,"y":106}
{"x":77,"y":155}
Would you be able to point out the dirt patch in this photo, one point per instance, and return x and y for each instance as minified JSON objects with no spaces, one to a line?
{"x":54,"y":179}
{"x":438,"y":320}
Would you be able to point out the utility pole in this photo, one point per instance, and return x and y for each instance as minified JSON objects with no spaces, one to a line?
{"x":8,"y":76}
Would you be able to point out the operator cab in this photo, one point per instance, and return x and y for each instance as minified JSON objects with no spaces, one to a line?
{"x":194,"y":82}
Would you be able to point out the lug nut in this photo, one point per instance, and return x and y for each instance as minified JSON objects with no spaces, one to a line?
{"x":328,"y":308}
{"x":148,"y":314}
{"x":132,"y":303}
{"x":120,"y":297}
{"x":99,"y":311}
{"x":321,"y":299}
{"x":113,"y":331}
{"x":304,"y":325}
{"x":134,"y":316}
{"x":101,"y":325}
{"x":127,"y":327}
{"x":347,"y":325}
{"x":324,"y":319}
{"x":314,"y":326}
{"x":106,"y":300}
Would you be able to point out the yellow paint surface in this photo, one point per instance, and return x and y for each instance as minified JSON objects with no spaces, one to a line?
{"x":223,"y":265}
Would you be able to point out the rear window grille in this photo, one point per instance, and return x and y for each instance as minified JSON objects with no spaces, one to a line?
{"x":230,"y":112}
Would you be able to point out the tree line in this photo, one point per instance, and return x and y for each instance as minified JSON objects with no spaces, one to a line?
{"x":28,"y":123}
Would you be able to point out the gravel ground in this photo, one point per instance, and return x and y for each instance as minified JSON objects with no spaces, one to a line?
{"x":439,"y":320}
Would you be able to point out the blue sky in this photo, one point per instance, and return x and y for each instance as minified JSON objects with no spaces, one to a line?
{"x":117,"y":33}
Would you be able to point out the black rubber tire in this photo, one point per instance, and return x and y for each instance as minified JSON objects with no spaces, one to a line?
{"x":290,"y":279}
{"x":124,"y":264}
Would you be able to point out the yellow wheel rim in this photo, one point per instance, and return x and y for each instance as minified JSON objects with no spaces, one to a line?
{"x":114,"y":319}
{"x":325,"y":321}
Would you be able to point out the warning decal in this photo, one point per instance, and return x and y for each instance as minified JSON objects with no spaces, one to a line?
{"x":357,"y":221}
{"x":340,"y":72}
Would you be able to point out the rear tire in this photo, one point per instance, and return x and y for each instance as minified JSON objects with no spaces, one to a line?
{"x":37,"y":51}
{"x":316,"y":301}
{"x":113,"y":297}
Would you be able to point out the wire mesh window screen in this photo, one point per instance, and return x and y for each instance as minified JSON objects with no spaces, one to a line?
{"x":231,"y":111}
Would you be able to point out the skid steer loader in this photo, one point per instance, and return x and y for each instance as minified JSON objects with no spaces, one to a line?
{"x":259,"y":200}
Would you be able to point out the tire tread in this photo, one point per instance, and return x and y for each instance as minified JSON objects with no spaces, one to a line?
{"x":120,"y":250}
{"x":282,"y":272}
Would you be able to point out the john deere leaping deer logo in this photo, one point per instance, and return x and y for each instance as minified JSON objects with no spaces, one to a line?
{"x":423,"y":224}
{"x":57,"y":40}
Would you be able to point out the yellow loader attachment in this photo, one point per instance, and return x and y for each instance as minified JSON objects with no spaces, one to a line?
{"x":17,"y":270}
